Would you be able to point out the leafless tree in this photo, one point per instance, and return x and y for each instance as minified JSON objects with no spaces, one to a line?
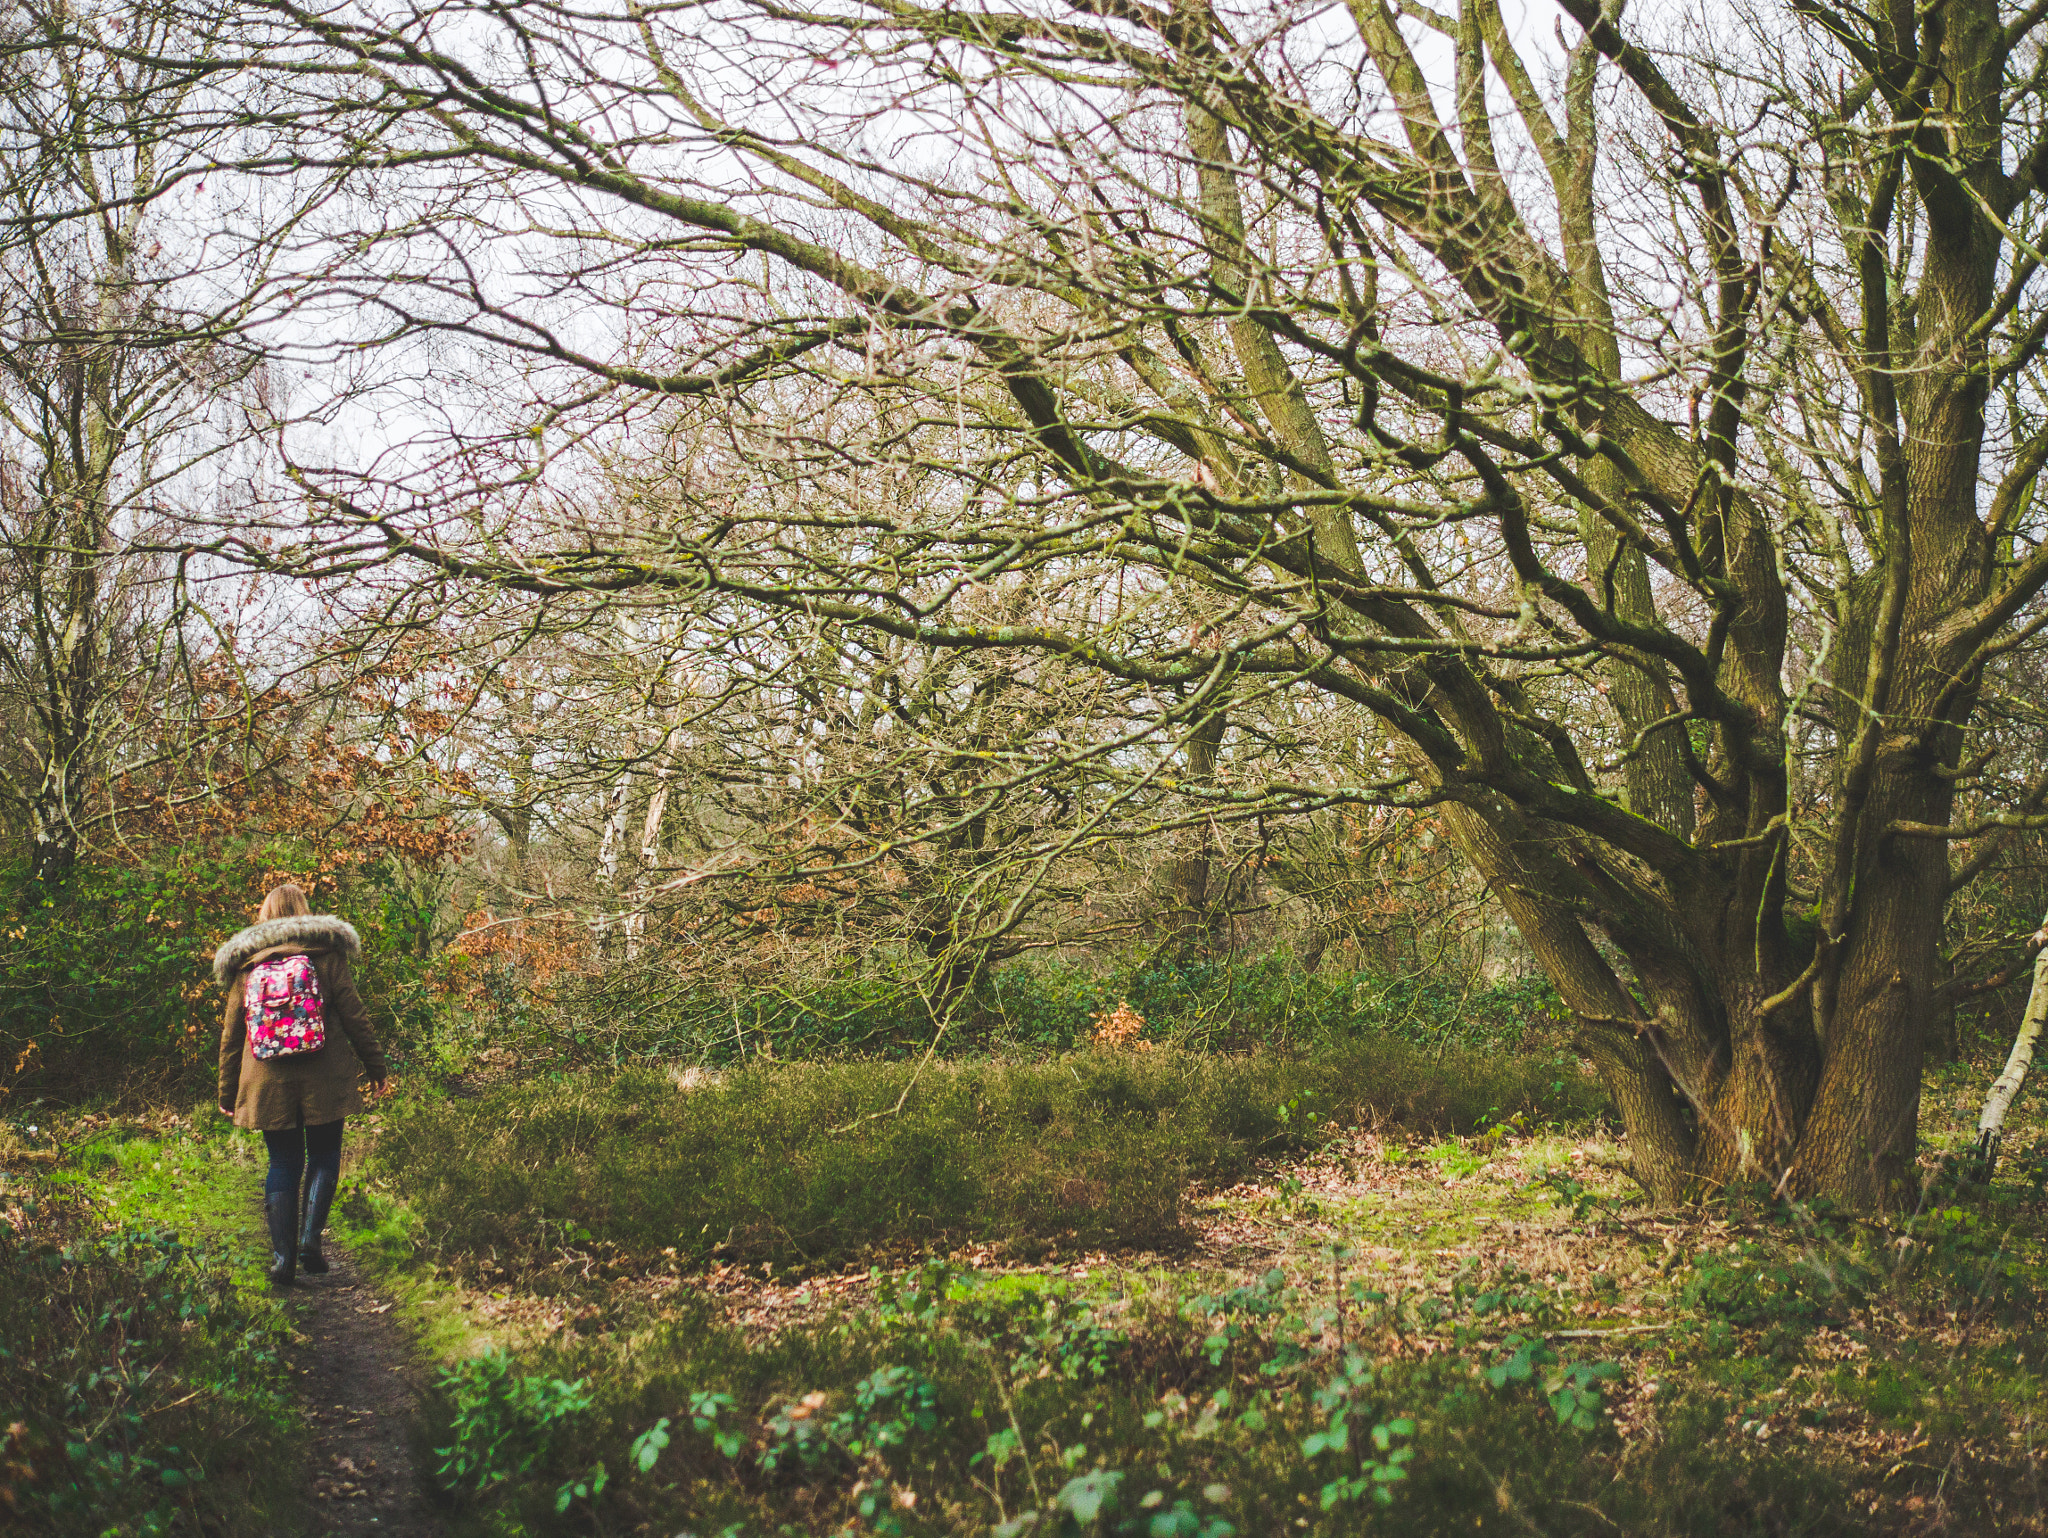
{"x":120,"y":361}
{"x":1641,"y":431}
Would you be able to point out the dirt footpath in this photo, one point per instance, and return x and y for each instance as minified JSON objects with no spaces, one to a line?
{"x":360,"y":1379}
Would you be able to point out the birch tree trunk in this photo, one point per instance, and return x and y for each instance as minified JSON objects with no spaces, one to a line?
{"x":1991,"y":1125}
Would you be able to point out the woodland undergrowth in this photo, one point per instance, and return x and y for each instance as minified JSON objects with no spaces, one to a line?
{"x":1443,"y":1319}
{"x":1428,"y":1303}
{"x":144,"y":1386}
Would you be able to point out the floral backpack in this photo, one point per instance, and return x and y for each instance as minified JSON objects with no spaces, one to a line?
{"x":284,"y":1009}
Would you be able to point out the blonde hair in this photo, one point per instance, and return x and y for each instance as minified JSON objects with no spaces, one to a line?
{"x":284,"y":902}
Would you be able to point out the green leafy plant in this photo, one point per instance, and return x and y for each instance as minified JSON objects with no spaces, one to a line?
{"x":649,"y":1445}
{"x":1315,"y":1129}
{"x":1456,"y":1159}
{"x":707,"y":1412}
{"x":503,"y":1421}
{"x":1096,"y":1503}
{"x":1571,"y":1193}
{"x":586,"y":1488}
{"x":143,"y":1391}
{"x":1237,"y":1313}
{"x":913,"y":1299}
{"x":1382,"y":1460}
{"x":1783,"y":1290}
{"x":1572,"y":1389}
{"x":1069,"y":1337}
{"x":890,"y":1406}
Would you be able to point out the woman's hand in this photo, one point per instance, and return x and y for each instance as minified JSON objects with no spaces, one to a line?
{"x":379,"y":1088}
{"x":228,"y":1111}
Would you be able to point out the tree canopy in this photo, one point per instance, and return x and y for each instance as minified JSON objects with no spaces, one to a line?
{"x":1082,"y":420}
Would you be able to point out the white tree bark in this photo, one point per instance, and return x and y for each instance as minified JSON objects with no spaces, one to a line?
{"x":614,"y":834}
{"x":1991,"y":1125}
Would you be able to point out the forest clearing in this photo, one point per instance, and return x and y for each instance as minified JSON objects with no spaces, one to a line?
{"x":1500,"y":1309}
{"x":1190,"y":768}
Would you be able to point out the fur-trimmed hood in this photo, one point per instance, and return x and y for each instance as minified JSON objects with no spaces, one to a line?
{"x":315,"y":931}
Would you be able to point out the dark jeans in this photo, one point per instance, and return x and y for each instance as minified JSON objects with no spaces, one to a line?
{"x":297,"y":1150}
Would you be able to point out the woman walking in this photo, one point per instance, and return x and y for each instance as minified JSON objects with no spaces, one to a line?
{"x":294,"y":1048}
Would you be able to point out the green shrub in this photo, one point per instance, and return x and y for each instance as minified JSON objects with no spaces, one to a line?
{"x":814,"y":1163}
{"x":1776,"y":1286}
{"x":501,"y":1422}
{"x":106,"y":981}
{"x":1237,"y":1003}
{"x":143,"y":1393}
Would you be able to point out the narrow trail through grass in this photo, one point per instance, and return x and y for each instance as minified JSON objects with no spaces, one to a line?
{"x":359,"y":1377}
{"x":345,"y":1360}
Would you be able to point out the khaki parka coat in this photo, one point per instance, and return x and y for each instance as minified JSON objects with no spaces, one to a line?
{"x":314,"y":1087}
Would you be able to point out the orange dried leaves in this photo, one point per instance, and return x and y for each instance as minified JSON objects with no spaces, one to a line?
{"x":1117,"y":1030}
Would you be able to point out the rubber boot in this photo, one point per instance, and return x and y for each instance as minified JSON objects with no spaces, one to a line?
{"x":281,"y":1212}
{"x":319,"y":1198}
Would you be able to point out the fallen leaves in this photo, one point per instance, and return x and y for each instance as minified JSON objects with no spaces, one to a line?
{"x":344,"y":1480}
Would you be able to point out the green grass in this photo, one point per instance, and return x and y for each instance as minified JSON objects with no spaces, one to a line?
{"x":812,"y":1163}
{"x":200,"y":1176}
{"x":1030,"y":1005}
{"x":142,"y":1377}
{"x":1455,"y":1158}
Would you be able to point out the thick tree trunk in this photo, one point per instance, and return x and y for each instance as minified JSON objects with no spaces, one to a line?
{"x":1752,"y":1123}
{"x":53,"y":850}
{"x":1860,"y":1140}
{"x":957,"y":968}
